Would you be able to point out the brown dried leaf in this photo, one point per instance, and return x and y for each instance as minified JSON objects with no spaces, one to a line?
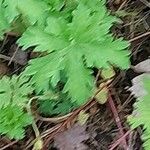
{"x":3,"y":69}
{"x":72,"y":139}
{"x":17,"y":55}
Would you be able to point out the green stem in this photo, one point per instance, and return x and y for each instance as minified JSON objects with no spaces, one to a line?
{"x":34,"y":126}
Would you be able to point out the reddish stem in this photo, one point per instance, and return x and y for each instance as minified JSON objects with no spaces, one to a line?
{"x":117,"y":119}
{"x":113,"y":146}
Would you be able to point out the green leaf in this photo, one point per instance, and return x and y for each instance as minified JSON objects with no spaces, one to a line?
{"x":96,"y":55}
{"x":33,"y":10}
{"x":38,"y":144}
{"x":83,"y":117}
{"x":11,"y":11}
{"x":56,"y":4}
{"x":44,"y":70}
{"x":56,"y":26}
{"x":26,"y":9}
{"x":4,"y":25}
{"x":108,"y":73}
{"x":102,"y":96}
{"x":80,"y":82}
{"x":75,"y":46}
{"x":141,"y":113}
{"x":12,"y":122}
{"x":94,"y":25}
{"x":59,"y":106}
{"x":34,"y":36}
{"x":14,"y":91}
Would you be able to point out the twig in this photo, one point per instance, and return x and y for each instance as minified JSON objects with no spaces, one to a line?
{"x":54,"y":119}
{"x":44,"y":134}
{"x":140,"y":36}
{"x":117,"y":118}
{"x":9,"y":58}
{"x":85,"y":107}
{"x":4,"y":57}
{"x":122,"y":5}
{"x":4,"y":42}
{"x":12,"y":58}
{"x":120,"y":140}
{"x":12,"y":34}
{"x":8,"y":145}
{"x":74,"y":114}
{"x":52,"y":132}
{"x":145,"y":2}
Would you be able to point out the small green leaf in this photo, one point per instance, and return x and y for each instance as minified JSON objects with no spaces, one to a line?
{"x":38,"y":144}
{"x":14,"y":91}
{"x":82,"y":118}
{"x":12,"y":122}
{"x":101,"y":97}
{"x":108,"y":73}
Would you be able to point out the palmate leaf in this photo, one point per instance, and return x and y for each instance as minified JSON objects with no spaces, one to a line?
{"x":75,"y":47}
{"x":141,"y":113}
{"x":14,"y":91}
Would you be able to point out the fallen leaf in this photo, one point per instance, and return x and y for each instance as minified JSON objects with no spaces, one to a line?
{"x":17,"y":55}
{"x":72,"y":139}
{"x":3,"y":69}
{"x":143,"y":66}
{"x":138,"y":89}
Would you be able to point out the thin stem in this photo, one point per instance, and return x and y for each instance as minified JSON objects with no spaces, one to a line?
{"x":8,"y":145}
{"x":140,"y":36}
{"x":34,"y":126}
{"x":120,"y":140}
{"x":117,"y":118}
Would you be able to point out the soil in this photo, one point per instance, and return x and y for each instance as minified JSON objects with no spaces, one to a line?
{"x":101,"y":125}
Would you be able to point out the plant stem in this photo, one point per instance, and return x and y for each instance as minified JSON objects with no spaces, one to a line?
{"x":34,"y":126}
{"x":117,"y":119}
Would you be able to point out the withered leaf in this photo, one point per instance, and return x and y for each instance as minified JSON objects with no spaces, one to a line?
{"x":137,"y":88}
{"x":72,"y":139}
{"x":143,"y":66}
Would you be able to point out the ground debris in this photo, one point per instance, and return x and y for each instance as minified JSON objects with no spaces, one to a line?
{"x":143,"y":66}
{"x":72,"y":139}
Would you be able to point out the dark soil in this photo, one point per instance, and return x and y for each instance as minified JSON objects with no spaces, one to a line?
{"x":101,"y":125}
